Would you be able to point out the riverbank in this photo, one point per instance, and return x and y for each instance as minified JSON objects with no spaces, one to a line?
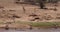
{"x":27,"y":25}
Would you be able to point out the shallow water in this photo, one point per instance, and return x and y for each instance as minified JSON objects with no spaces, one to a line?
{"x":33,"y":30}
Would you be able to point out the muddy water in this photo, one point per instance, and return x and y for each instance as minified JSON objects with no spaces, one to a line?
{"x":33,"y":30}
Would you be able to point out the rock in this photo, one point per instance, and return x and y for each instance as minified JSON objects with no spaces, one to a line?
{"x":33,"y":15}
{"x":55,"y":9}
{"x":49,"y":17}
{"x":7,"y":27}
{"x":1,"y":7}
{"x":11,"y":10}
{"x":57,"y":17}
{"x":32,"y":20}
{"x":15,"y":16}
{"x":30,"y":27}
{"x":37,"y":18}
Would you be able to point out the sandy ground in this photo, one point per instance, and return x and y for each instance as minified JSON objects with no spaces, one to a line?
{"x":10,"y":12}
{"x":31,"y":12}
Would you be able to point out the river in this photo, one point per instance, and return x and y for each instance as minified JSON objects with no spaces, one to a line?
{"x":33,"y":30}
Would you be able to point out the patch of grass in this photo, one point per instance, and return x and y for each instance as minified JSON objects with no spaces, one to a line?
{"x":40,"y":24}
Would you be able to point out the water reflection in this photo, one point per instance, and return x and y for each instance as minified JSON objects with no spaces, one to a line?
{"x":33,"y":30}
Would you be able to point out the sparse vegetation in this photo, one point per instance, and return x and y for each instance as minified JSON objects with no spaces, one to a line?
{"x":41,"y":24}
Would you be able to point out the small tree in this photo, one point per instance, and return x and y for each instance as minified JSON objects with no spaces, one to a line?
{"x":41,"y":3}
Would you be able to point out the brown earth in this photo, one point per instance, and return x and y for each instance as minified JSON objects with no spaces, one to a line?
{"x":10,"y":12}
{"x":26,"y":12}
